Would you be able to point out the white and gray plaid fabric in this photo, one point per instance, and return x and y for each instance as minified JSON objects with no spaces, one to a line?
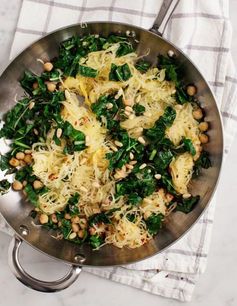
{"x":202,"y":30}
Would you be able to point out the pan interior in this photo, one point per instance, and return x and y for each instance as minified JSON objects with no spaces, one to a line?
{"x":16,"y":210}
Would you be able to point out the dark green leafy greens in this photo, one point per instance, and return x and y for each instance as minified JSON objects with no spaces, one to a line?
{"x":4,"y":186}
{"x":154,"y":223}
{"x":142,"y":66}
{"x":120,"y":73}
{"x":187,"y":205}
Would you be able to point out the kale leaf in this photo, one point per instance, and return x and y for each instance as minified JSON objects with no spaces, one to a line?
{"x":120,"y":73}
{"x":87,"y":71}
{"x":99,"y":218}
{"x":187,"y":205}
{"x":139,"y":109}
{"x":188,"y":145}
{"x":203,"y":162}
{"x":95,"y":241}
{"x":154,"y":223}
{"x":142,"y":66}
{"x":4,"y":186}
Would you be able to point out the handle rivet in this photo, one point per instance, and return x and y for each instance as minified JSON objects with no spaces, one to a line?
{"x":79,"y":258}
{"x":24,"y":230}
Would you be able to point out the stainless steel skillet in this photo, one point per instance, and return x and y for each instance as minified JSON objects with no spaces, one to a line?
{"x":16,"y":211}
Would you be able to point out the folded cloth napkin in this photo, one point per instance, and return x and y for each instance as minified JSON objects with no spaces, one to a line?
{"x":203,"y":31}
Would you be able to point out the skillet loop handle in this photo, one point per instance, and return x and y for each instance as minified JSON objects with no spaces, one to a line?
{"x":166,"y":11}
{"x":30,"y":281}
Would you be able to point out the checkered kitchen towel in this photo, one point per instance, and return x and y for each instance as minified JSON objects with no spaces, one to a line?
{"x":202,"y":30}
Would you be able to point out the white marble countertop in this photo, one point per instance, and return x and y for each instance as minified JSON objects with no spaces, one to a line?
{"x":217,"y":286}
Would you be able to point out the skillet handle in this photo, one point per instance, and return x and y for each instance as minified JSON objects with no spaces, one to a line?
{"x":30,"y":281}
{"x":166,"y":11}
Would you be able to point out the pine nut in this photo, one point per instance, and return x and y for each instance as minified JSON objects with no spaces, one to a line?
{"x":131,"y":155}
{"x":133,"y":162}
{"x":131,"y":117}
{"x":158,"y":176}
{"x":67,"y":216}
{"x":80,"y":233}
{"x":143,"y":166}
{"x":31,"y":105}
{"x":109,"y":105}
{"x":128,"y":109}
{"x":59,"y":132}
{"x":129,"y":166}
{"x":72,"y":236}
{"x":141,"y":140}
{"x":186,"y":195}
{"x":118,"y":143}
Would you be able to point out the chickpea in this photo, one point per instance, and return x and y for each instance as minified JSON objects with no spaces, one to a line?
{"x":28,"y":159}
{"x":43,"y":218}
{"x":80,"y":234}
{"x":203,"y":138}
{"x":16,"y":185}
{"x":48,"y":66}
{"x":191,"y":90}
{"x":92,"y":231}
{"x":197,"y":114}
{"x":35,"y":85}
{"x":14,"y":162}
{"x":75,"y":227}
{"x":75,"y":219}
{"x":83,"y":223}
{"x":203,"y":126}
{"x":20,"y":155}
{"x":67,"y":216}
{"x":51,"y":86}
{"x":54,"y":218}
{"x":37,"y":184}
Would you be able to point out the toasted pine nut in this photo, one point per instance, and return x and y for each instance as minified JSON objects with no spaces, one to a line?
{"x":143,"y":166}
{"x":31,"y":105}
{"x":72,"y":235}
{"x":141,"y":140}
{"x":131,"y":155}
{"x":186,"y":195}
{"x":158,"y":176}
{"x":109,"y":105}
{"x":59,"y":132}
{"x":118,"y":143}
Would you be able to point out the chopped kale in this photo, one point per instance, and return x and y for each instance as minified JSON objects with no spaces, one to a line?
{"x":139,"y":109}
{"x":188,"y":145}
{"x":142,"y":66}
{"x":99,"y":218}
{"x":4,"y":186}
{"x":154,"y":223}
{"x":87,"y":71}
{"x":187,"y":205}
{"x":120,"y":73}
{"x":95,"y":241}
{"x":203,"y":162}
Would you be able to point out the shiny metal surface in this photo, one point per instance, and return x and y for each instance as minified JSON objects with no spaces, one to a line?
{"x":33,"y":283}
{"x":16,"y":210}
